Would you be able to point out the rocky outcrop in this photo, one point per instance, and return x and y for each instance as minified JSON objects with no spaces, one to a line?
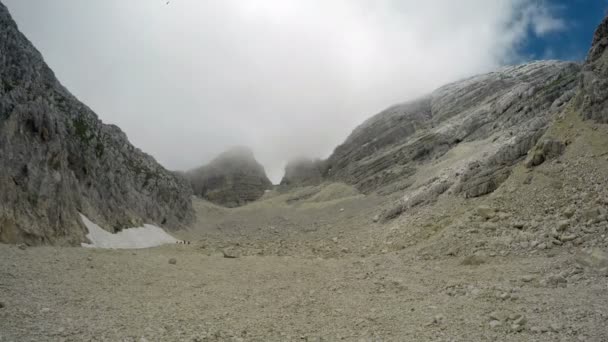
{"x":232,"y":179}
{"x":593,"y":97}
{"x":303,"y":172}
{"x":58,"y":159}
{"x":545,"y":150}
{"x":494,"y":119}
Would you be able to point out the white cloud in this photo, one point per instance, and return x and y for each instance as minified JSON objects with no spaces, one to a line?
{"x":542,"y":20}
{"x":286,"y":77}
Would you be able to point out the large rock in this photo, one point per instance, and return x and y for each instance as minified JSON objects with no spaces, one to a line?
{"x":593,"y":98}
{"x":58,"y":159}
{"x":232,"y":179}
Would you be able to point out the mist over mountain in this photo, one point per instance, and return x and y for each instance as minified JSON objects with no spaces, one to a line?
{"x":284,"y":77}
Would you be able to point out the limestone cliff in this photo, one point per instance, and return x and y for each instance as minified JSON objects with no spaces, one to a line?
{"x":57,"y":159}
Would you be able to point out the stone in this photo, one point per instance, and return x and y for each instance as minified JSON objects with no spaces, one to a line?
{"x":495,"y":316}
{"x":90,"y":258}
{"x":172,"y":261}
{"x":520,"y":320}
{"x":514,"y":316}
{"x":545,"y":150}
{"x":528,"y":278}
{"x":569,"y":212}
{"x":22,"y":246}
{"x":563,"y":225}
{"x":591,"y":215}
{"x":568,"y":237}
{"x":555,"y":327}
{"x":486,"y":212}
{"x":595,"y":259}
{"x":517,"y":328}
{"x":231,"y":253}
{"x":376,"y":218}
{"x":438,"y":319}
{"x":472,"y":260}
{"x":495,"y":324}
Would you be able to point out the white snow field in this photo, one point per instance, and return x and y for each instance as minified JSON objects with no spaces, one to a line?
{"x":129,"y":238}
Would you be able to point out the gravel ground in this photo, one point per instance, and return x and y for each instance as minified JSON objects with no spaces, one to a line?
{"x":76,"y":294}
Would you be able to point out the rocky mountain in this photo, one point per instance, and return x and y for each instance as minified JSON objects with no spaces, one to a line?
{"x":57,"y":159}
{"x":232,"y":179}
{"x":303,"y":172}
{"x":464,"y":138}
{"x":506,"y":112}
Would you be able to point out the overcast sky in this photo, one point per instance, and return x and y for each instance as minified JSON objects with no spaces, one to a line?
{"x":288,"y":78}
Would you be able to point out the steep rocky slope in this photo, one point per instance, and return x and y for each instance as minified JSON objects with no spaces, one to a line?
{"x":496,"y":118}
{"x":593,"y":97}
{"x":57,"y":159}
{"x":232,"y":179}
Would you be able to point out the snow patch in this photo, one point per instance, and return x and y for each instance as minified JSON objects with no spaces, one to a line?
{"x":130,"y":238}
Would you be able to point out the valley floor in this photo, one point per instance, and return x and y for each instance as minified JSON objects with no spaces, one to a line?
{"x":76,"y":294}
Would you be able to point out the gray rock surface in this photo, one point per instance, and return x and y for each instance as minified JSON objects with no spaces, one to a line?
{"x":593,"y":98}
{"x":57,"y":159}
{"x":232,"y":179}
{"x":507,"y":110}
{"x":303,"y":172}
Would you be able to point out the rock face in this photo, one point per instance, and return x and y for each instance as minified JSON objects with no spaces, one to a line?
{"x":478,"y":128}
{"x":303,"y":172}
{"x":593,"y":98}
{"x":58,"y":159}
{"x":232,"y":179}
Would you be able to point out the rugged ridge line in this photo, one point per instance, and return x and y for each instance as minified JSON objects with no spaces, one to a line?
{"x":492,"y":120}
{"x":58,"y":159}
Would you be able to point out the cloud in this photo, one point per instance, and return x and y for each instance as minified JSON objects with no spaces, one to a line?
{"x":288,"y":78}
{"x":543,"y":22}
